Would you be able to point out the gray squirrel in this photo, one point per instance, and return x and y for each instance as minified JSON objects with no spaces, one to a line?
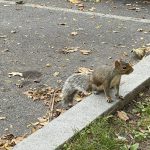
{"x":102,"y":78}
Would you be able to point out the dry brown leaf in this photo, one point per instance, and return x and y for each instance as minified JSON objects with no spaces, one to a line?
{"x":78,"y":98}
{"x":8,"y":137}
{"x":81,"y":6}
{"x":140,"y":30}
{"x":7,"y":142}
{"x":3,"y":36}
{"x":60,"y":110}
{"x":48,"y":65}
{"x":15,"y":74}
{"x":42,"y":119}
{"x":140,"y":52}
{"x":67,"y":50}
{"x":44,"y":123}
{"x":35,"y":123}
{"x":74,"y":33}
{"x":84,"y":70}
{"x":18,"y":139}
{"x":45,"y":94}
{"x":85,"y":52}
{"x":56,"y":74}
{"x":125,"y":54}
{"x":33,"y":129}
{"x":74,"y":1}
{"x":122,"y":115}
{"x":2,"y":142}
{"x":2,"y":118}
{"x":92,"y":9}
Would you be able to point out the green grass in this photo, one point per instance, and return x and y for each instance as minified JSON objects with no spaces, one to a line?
{"x":112,"y":133}
{"x":98,"y":136}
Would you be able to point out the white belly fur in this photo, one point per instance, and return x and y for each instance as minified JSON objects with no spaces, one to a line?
{"x":115,"y":81}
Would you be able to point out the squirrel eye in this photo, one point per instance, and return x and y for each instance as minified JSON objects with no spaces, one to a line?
{"x":124,"y":67}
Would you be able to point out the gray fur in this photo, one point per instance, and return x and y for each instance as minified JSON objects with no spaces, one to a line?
{"x":75,"y":83}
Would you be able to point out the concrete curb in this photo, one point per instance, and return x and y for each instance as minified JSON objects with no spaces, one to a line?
{"x":78,"y":117}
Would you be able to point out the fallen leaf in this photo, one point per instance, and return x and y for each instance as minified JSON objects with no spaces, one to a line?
{"x":98,"y":26}
{"x":110,"y":57}
{"x":18,"y":139}
{"x":78,"y":98}
{"x":5,"y":50}
{"x":3,"y":36}
{"x":44,"y":93}
{"x":139,"y":52}
{"x":115,"y":31}
{"x":67,"y":50}
{"x":56,"y":74}
{"x":42,"y":119}
{"x":80,"y":6}
{"x":140,"y":30}
{"x":59,"y":81}
{"x":59,"y":110}
{"x":133,"y":8}
{"x":92,"y":9}
{"x":48,"y":65}
{"x":13,"y":31}
{"x":8,"y":137}
{"x":74,"y":1}
{"x":122,"y":115}
{"x":16,"y":74}
{"x":128,"y":4}
{"x":2,"y":118}
{"x":85,"y":52}
{"x":84,"y":70}
{"x":74,"y":33}
{"x":44,"y":123}
{"x":35,"y":123}
{"x":125,"y":53}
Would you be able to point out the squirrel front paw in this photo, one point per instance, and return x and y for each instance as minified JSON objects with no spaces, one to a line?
{"x":109,"y":100}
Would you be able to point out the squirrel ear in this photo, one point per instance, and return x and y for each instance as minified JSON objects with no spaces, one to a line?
{"x":117,"y":63}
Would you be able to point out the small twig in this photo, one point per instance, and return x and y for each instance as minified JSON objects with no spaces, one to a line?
{"x":52,"y":107}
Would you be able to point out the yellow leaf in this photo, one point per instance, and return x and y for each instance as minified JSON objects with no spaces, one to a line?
{"x":74,"y":1}
{"x":85,"y":52}
{"x":56,"y":74}
{"x":78,"y":98}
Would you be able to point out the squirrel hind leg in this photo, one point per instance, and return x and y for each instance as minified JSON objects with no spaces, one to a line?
{"x":80,"y":89}
{"x":96,"y":89}
{"x":68,"y":99}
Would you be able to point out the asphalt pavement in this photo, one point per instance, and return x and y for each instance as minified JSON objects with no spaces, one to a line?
{"x":34,"y":34}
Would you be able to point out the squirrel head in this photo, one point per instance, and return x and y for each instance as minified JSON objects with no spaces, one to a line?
{"x":123,"y":67}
